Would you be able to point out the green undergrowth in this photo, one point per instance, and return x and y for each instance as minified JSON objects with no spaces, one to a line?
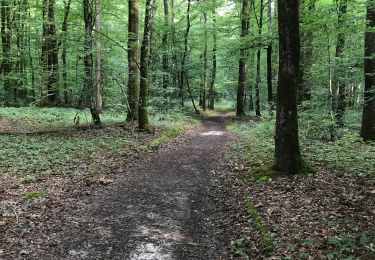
{"x":266,"y":240}
{"x":80,"y":152}
{"x":255,"y":148}
{"x":32,"y":118}
{"x":31,"y":195}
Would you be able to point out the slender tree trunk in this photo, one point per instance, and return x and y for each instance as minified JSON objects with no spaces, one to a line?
{"x":6,"y":65}
{"x":269,"y":56}
{"x":304,"y":92}
{"x":174,"y":51}
{"x":50,"y":58}
{"x":133,"y":78}
{"x":90,"y":85}
{"x":339,"y":81}
{"x":165,"y":46}
{"x":145,"y":56}
{"x":64,"y":29}
{"x":214,"y":63}
{"x":205,"y":62}
{"x":185,"y":53}
{"x":258,"y":79}
{"x":98,"y":99}
{"x":242,"y":68}
{"x":287,"y":151}
{"x":368,"y":119}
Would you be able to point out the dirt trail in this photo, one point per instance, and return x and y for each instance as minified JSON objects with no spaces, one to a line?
{"x":161,"y":209}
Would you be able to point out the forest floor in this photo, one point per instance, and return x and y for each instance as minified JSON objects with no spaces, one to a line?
{"x":202,"y":194}
{"x":165,"y":204}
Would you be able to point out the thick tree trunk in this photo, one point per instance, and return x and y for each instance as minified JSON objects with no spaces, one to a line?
{"x":6,"y":44}
{"x":165,"y":46}
{"x":64,"y":29}
{"x":287,"y":151}
{"x":211,"y":104}
{"x":339,"y":81}
{"x":368,"y":119}
{"x":49,"y":59}
{"x":269,"y":56}
{"x":133,"y":78}
{"x":242,"y":68}
{"x":258,"y":79}
{"x":185,"y":53}
{"x":145,"y":56}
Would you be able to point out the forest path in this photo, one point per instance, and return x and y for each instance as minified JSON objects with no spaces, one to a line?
{"x":161,"y":209}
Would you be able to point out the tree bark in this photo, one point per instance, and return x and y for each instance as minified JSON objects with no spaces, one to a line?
{"x":258,"y":79}
{"x":368,"y":118}
{"x":242,"y":68}
{"x":133,"y":78}
{"x":145,"y":56}
{"x":287,"y":151}
{"x":50,"y":58}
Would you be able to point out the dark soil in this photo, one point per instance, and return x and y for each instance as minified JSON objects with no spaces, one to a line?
{"x":168,"y":206}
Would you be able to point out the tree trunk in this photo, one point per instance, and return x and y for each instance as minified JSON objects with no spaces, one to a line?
{"x":6,"y":44}
{"x":165,"y":46}
{"x":304,"y":92}
{"x":287,"y":151}
{"x":98,"y":99}
{"x":242,"y":68}
{"x":145,"y":56}
{"x":269,"y":56}
{"x":368,"y":119}
{"x":174,"y":60}
{"x":258,"y":79}
{"x":133,"y":78}
{"x":339,"y":81}
{"x":184,"y":55}
{"x":49,"y":59}
{"x":205,"y":62}
{"x":90,"y":87}
{"x":64,"y":29}
{"x":214,"y":63}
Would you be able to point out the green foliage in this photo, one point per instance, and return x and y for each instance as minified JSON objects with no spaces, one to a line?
{"x":348,"y":155}
{"x":345,"y":245}
{"x":31,"y":195}
{"x":266,"y":240}
{"x":63,"y":152}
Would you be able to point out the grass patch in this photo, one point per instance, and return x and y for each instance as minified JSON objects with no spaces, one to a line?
{"x":266,"y":240}
{"x":263,"y":174}
{"x":255,"y":148}
{"x":73,"y":151}
{"x":32,"y":195}
{"x":167,"y":136}
{"x":34,"y":118}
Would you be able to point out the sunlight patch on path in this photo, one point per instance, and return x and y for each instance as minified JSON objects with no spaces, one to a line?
{"x":215,"y":133}
{"x":149,"y":251}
